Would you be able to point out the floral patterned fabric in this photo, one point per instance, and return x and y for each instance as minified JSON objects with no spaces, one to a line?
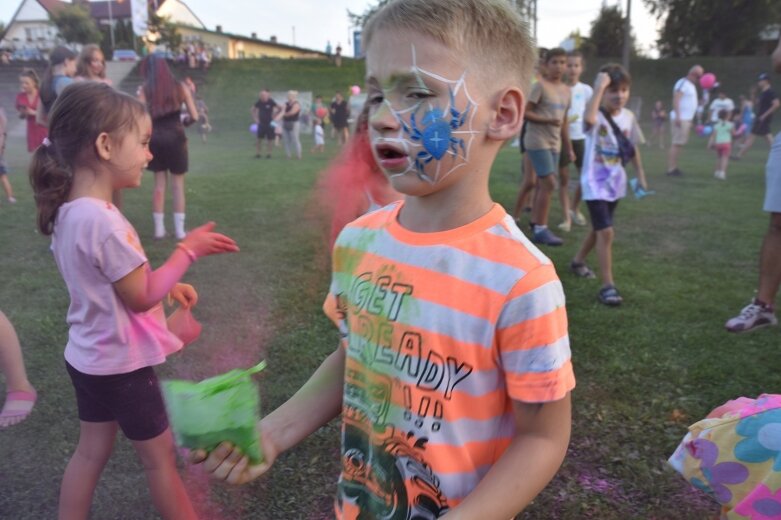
{"x":734,"y":455}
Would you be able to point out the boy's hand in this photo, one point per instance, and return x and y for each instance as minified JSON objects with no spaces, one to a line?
{"x":202,"y":241}
{"x":602,"y":81}
{"x":185,"y":294}
{"x":227,"y":463}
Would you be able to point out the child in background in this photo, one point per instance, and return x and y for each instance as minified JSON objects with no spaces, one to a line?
{"x":659,"y":119}
{"x":9,"y":192}
{"x":20,"y":395}
{"x":603,"y":177}
{"x":453,"y":374}
{"x":117,"y":326}
{"x":721,"y":141}
{"x":581,"y":94}
{"x":319,"y":135}
{"x":204,"y":127}
{"x":547,"y":134}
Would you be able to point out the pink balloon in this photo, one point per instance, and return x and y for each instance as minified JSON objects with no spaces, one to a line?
{"x":708,"y":80}
{"x":355,"y":90}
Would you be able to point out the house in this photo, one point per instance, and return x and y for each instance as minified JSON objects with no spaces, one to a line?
{"x":31,"y":29}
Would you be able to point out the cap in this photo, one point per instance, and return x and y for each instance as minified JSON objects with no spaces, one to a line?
{"x":764,"y":76}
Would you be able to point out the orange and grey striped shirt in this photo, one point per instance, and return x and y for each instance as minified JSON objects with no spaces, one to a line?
{"x":442,"y":331}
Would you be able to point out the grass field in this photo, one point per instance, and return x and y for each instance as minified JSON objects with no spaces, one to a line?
{"x":685,"y":261}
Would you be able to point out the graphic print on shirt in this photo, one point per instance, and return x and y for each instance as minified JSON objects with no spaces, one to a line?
{"x":395,"y":392}
{"x":430,"y":133}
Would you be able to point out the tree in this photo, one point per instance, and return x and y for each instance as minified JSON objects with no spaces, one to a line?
{"x":712,"y":27}
{"x":164,"y":32}
{"x":607,"y":33}
{"x":75,"y":24}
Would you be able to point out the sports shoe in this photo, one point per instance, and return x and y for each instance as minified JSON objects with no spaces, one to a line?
{"x":546,"y":237}
{"x":11,"y":200}
{"x":675,"y":172}
{"x":566,"y":226}
{"x":720,"y":175}
{"x":753,"y":316}
{"x":577,"y":217}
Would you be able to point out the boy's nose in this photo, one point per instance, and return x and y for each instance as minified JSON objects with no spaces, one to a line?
{"x":384,"y":119}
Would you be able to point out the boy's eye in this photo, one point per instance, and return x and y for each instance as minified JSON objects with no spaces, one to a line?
{"x":375,"y":98}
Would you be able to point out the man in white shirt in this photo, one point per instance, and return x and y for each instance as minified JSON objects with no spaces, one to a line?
{"x":722,"y":102}
{"x":684,"y":108}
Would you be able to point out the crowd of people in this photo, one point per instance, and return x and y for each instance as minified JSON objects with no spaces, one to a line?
{"x":453,"y":373}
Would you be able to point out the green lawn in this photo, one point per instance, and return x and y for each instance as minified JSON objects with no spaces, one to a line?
{"x":685,"y":261}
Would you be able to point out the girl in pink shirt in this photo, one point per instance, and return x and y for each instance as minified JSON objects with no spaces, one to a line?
{"x":98,"y":143}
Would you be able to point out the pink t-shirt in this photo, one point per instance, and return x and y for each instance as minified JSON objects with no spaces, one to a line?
{"x":95,"y":246}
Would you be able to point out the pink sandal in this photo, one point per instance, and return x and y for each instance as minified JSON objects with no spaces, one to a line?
{"x":18,"y":405}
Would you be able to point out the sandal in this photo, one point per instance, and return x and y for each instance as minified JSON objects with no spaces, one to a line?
{"x":608,"y":295}
{"x":18,"y":405}
{"x":581,"y":270}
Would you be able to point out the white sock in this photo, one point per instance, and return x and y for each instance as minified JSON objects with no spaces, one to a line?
{"x":179,"y":225}
{"x":159,"y":224}
{"x":538,"y":228}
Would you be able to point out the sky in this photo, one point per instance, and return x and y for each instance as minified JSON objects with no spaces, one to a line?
{"x":312,"y":23}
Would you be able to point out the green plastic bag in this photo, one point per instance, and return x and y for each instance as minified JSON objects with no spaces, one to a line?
{"x":221,"y":408}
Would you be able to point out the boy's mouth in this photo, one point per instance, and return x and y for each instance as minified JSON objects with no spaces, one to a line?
{"x":391,"y":157}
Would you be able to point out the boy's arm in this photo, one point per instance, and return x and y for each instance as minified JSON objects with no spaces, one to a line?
{"x":592,"y":108}
{"x":530,"y":115}
{"x":526,"y":467}
{"x":313,"y":406}
{"x":565,"y":140}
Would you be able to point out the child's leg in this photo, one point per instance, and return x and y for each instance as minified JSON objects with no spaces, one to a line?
{"x":168,"y":493}
{"x":564,"y":193}
{"x":542,"y":199}
{"x":586,"y":247}
{"x":177,"y":194}
{"x":158,"y":203}
{"x":9,"y":192}
{"x":576,"y":199}
{"x":604,"y":245}
{"x":96,"y":441}
{"x":15,"y":410}
{"x":723,"y":162}
{"x":528,"y":184}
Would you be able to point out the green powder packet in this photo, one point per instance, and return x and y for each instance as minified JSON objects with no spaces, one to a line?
{"x":221,"y":408}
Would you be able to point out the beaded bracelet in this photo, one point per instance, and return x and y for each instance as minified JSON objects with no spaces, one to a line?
{"x":190,"y":253}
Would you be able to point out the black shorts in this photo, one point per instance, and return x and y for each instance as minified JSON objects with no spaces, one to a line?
{"x":339,"y":124}
{"x":601,"y":212}
{"x":132,"y":399}
{"x":761,"y":128}
{"x":168,"y":145}
{"x":266,"y":131}
{"x":579,"y":147}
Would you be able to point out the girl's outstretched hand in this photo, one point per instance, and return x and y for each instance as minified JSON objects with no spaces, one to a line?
{"x":184,"y":294}
{"x":227,"y":463}
{"x":202,"y":241}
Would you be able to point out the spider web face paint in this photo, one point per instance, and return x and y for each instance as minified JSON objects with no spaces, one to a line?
{"x":436,"y":138}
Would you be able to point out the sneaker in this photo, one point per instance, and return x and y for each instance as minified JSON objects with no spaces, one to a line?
{"x":565,"y":226}
{"x":577,"y":217}
{"x":11,"y":200}
{"x":675,"y":172}
{"x":720,"y":175}
{"x":546,"y":237}
{"x":752,"y":316}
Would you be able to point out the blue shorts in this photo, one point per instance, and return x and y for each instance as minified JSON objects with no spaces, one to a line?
{"x":601,"y":212}
{"x":545,"y":162}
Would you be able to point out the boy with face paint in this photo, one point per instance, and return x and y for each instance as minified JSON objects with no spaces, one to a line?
{"x":454,"y":372}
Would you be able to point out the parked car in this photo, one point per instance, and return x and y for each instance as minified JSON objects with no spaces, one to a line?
{"x":125,"y":55}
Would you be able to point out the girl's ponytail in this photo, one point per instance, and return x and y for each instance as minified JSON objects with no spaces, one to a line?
{"x":51,"y":182}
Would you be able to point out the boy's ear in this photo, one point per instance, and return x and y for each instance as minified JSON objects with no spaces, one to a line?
{"x":103,"y":146}
{"x":508,"y":117}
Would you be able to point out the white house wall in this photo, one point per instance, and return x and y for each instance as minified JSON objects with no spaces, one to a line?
{"x":31,"y":10}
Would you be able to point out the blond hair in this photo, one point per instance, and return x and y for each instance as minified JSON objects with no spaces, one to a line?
{"x":489,"y":33}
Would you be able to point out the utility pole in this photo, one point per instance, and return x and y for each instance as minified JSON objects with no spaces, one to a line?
{"x":627,"y":34}
{"x":111,"y":24}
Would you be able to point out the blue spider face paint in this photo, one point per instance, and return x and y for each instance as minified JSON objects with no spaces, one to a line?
{"x":436,"y":133}
{"x":421,"y":121}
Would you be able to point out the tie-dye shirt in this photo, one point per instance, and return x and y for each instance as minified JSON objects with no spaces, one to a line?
{"x":441,"y":331}
{"x":603,"y":176}
{"x":94,"y":246}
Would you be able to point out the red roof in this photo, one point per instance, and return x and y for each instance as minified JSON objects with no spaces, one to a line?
{"x":51,"y":5}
